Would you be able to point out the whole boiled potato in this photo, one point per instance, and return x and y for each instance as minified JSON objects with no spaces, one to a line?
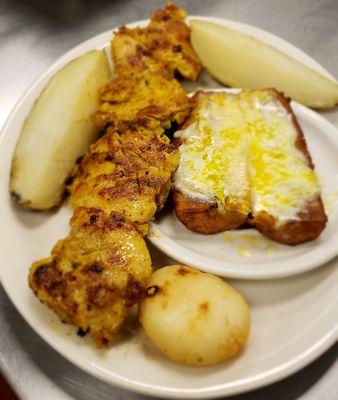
{"x":194,"y":318}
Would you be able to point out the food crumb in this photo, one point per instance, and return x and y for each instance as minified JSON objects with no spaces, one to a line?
{"x":243,"y":251}
{"x":270,"y":249}
{"x":248,"y":244}
{"x":253,"y":241}
{"x":228,"y":237}
{"x":154,"y":235}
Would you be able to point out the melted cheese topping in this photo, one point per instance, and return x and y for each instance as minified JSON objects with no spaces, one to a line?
{"x":213,"y":155}
{"x":280,"y":178}
{"x":240,"y":144}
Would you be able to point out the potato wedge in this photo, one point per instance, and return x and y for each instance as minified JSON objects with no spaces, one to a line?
{"x":239,"y":60}
{"x":57,"y":131}
{"x":194,"y":318}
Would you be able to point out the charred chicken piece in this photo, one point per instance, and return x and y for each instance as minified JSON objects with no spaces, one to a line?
{"x":129,"y":98}
{"x":94,"y":274}
{"x":127,"y":172}
{"x":163,"y":44}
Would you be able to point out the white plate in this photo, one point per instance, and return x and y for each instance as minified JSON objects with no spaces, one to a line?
{"x":247,"y":254}
{"x":294,"y":320}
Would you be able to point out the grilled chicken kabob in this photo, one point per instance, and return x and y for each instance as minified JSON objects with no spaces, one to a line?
{"x":102,"y":267}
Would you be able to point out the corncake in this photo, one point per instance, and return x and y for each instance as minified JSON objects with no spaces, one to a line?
{"x":243,"y":158}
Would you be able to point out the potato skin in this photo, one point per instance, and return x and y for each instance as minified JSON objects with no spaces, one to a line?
{"x":194,"y":318}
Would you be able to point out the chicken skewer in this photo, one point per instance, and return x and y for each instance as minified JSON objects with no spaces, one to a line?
{"x":102,"y":267}
{"x":128,"y":173}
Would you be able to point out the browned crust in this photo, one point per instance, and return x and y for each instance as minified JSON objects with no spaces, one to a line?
{"x":312,"y":219}
{"x":300,"y":140}
{"x":164,"y":44}
{"x":309,"y":224}
{"x":127,"y":172}
{"x":203,"y":217}
{"x":89,"y":280}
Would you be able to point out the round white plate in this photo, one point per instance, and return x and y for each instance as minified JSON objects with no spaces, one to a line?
{"x":294,"y":320}
{"x":247,"y":254}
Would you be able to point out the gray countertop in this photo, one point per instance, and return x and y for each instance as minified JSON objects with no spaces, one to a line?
{"x":33,"y":34}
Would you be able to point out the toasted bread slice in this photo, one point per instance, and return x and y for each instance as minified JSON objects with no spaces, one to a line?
{"x":211,"y":184}
{"x":286,"y":201}
{"x":243,"y":158}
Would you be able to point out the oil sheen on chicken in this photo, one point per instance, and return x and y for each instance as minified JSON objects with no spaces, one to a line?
{"x":128,"y":173}
{"x":102,"y":267}
{"x":94,"y":274}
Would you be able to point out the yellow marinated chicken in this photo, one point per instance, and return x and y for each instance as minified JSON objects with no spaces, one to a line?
{"x":163,"y":44}
{"x":101,"y":268}
{"x":127,"y":172}
{"x":142,"y":96}
{"x":145,"y":62}
{"x":94,"y":274}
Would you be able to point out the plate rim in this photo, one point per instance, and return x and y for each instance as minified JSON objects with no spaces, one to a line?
{"x":285,"y":370}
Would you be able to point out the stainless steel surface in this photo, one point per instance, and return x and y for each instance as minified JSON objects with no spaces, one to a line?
{"x":33,"y":34}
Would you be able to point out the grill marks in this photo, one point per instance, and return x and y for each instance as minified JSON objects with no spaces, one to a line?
{"x":94,"y":274}
{"x":142,"y":96}
{"x":146,"y":61}
{"x":163,"y":45}
{"x":132,"y":182}
{"x":101,"y":268}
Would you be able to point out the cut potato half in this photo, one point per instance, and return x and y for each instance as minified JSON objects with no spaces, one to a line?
{"x":239,"y":60}
{"x":57,"y":131}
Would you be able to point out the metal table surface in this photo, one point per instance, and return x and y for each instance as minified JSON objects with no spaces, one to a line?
{"x":33,"y":34}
